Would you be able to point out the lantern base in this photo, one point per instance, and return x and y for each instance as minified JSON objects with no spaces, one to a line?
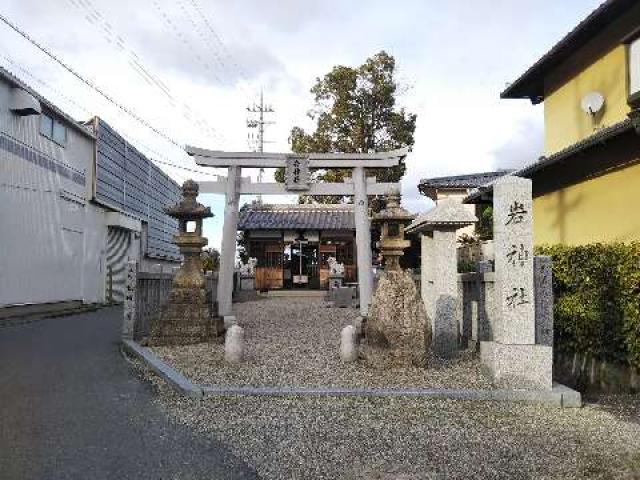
{"x":397,"y":325}
{"x":186,"y":319}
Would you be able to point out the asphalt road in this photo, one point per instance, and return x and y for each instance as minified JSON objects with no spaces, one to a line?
{"x":71,"y":407}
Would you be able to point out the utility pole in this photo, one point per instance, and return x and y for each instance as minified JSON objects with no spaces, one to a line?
{"x":257,"y":144}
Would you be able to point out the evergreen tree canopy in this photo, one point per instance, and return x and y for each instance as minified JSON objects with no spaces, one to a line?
{"x":355,"y":112}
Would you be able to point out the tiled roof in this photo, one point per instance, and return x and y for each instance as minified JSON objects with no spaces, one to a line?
{"x":297,"y":217}
{"x":531,"y":83}
{"x":598,"y":139}
{"x":472,"y":180}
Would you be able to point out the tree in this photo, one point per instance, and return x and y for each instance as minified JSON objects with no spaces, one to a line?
{"x":355,"y":112}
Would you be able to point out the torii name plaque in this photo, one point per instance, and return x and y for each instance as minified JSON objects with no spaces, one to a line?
{"x":297,"y":176}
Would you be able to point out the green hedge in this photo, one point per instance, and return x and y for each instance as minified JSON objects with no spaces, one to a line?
{"x":597,"y":300}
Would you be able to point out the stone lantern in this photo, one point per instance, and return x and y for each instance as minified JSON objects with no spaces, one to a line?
{"x":393,"y":220}
{"x":396,"y":329}
{"x":187,"y":317}
{"x":189,"y":239}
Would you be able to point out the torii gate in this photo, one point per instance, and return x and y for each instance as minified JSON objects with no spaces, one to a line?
{"x":297,"y":181}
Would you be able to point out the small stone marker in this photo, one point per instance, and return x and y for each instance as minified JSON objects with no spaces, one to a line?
{"x":234,"y":344}
{"x":229,"y":321}
{"x":348,"y":344}
{"x":358,"y":326}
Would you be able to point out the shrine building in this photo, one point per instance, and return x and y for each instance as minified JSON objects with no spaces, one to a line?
{"x":292,"y":243}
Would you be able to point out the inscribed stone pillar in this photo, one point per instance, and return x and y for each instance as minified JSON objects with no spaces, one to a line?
{"x":228,"y":251}
{"x":513,"y":242}
{"x":129,"y":322}
{"x":513,"y":359}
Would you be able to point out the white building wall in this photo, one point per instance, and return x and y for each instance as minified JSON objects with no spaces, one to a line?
{"x":51,"y":237}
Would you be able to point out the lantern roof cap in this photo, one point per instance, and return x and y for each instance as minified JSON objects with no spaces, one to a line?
{"x":188,"y":208}
{"x":448,"y":213}
{"x":393,"y":211}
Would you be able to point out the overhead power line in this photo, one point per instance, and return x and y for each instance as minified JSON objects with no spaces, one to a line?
{"x":240,"y":70}
{"x":133,"y":141}
{"x":87,"y":82}
{"x":99,"y":21}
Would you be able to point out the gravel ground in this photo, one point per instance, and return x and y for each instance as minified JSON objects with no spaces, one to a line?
{"x":295,"y":342}
{"x":410,"y":439}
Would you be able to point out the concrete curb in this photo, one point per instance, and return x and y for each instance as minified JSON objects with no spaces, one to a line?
{"x":559,"y":396}
{"x":174,"y":378}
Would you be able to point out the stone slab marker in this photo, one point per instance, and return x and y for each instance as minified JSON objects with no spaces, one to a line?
{"x":513,"y":243}
{"x":543,"y":286}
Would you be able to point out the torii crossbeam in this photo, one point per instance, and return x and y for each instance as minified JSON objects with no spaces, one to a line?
{"x":297,"y":181}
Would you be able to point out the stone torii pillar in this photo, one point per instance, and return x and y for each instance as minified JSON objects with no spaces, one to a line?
{"x":363,"y":239}
{"x":298,"y":181}
{"x":229,"y":233}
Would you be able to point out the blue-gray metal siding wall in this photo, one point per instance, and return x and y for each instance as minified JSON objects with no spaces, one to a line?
{"x":127,"y":180}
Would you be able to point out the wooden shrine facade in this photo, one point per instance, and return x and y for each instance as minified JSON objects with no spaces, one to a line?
{"x":293,"y":243}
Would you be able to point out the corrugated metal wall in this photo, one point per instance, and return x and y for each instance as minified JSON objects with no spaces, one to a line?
{"x":127,"y":180}
{"x":118,"y":247}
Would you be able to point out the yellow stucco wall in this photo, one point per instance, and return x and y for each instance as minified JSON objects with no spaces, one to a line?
{"x":565,"y":121}
{"x":602,"y":209}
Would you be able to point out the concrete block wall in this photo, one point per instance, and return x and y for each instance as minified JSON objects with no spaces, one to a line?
{"x":478,"y":320}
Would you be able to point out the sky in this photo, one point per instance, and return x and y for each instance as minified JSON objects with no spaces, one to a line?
{"x":190,"y":68}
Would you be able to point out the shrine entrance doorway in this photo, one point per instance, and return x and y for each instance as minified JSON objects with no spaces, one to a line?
{"x":303,"y":268}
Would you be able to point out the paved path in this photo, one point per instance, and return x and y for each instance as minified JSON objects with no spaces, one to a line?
{"x":72,"y":408}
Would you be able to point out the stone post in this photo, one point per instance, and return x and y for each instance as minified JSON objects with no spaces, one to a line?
{"x":348,"y":344}
{"x":513,"y":359}
{"x":439,"y":276}
{"x":228,"y":250}
{"x":234,"y":344}
{"x":426,"y":273}
{"x":444,"y":294}
{"x":363,"y":239}
{"x":129,"y":323}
